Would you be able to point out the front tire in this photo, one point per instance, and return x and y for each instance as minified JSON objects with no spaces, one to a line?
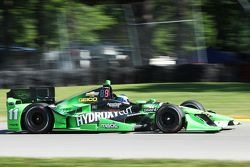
{"x":170,"y":118}
{"x":193,"y":104}
{"x":38,"y":119}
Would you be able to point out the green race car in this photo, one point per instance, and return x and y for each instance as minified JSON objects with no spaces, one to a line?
{"x":35,"y":110}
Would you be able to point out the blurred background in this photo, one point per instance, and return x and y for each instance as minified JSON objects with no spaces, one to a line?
{"x":77,"y":42}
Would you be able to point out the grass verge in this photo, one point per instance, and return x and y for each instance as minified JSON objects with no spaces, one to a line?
{"x":84,"y":162}
{"x":224,"y":98}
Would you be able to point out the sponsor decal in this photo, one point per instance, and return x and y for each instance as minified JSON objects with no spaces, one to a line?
{"x":135,"y":114}
{"x":222,"y":124}
{"x":88,"y":99}
{"x":13,"y":124}
{"x":95,"y":116}
{"x":150,"y":109}
{"x":92,"y":94}
{"x":110,"y":126}
{"x":114,"y":105}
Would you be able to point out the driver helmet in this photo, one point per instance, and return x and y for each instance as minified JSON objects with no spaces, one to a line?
{"x":122,"y":98}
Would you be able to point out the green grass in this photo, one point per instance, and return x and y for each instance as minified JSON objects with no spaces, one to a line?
{"x":225,"y":98}
{"x":84,"y":162}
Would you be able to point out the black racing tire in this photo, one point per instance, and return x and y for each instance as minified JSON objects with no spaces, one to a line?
{"x":38,"y":119}
{"x":193,"y":104}
{"x":170,"y":118}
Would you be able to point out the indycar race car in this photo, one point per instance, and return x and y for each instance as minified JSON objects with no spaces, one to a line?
{"x":34,"y":110}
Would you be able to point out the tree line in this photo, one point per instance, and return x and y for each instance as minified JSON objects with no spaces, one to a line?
{"x":54,"y":23}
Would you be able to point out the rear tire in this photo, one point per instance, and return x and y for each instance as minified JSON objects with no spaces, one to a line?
{"x":38,"y":119}
{"x":193,"y":104}
{"x":170,"y":118}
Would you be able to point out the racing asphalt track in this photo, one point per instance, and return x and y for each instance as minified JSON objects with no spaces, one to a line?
{"x":225,"y":145}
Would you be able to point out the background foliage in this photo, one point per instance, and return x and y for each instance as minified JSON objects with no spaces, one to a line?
{"x":42,"y":25}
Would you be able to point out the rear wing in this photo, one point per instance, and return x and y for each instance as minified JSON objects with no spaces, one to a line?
{"x":33,"y":94}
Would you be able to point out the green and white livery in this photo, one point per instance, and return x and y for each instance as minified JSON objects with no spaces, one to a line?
{"x":35,"y":110}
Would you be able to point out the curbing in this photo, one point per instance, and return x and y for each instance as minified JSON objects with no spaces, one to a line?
{"x":241,"y":117}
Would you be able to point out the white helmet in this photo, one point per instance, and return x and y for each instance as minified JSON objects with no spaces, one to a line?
{"x":122,"y":98}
